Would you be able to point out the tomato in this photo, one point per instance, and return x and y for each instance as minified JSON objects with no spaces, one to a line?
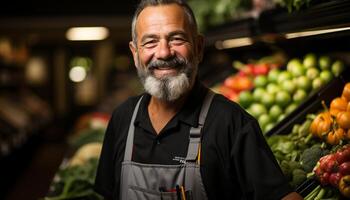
{"x":344,"y":168}
{"x":342,"y":156}
{"x":334,"y":179}
{"x":344,"y":186}
{"x":324,"y":178}
{"x":329,"y":163}
{"x":346,"y":92}
{"x":343,"y":119}
{"x":338,"y":104}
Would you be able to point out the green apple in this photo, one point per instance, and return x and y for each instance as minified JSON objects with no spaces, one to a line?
{"x":273,"y":75}
{"x":289,"y":86}
{"x":324,"y":62}
{"x":275,"y":111}
{"x":258,"y":94}
{"x":268,"y":127}
{"x":292,"y":63}
{"x":283,"y":98}
{"x":291,"y":107}
{"x":245,"y":98}
{"x":337,"y":67}
{"x":268,"y":99}
{"x":298,"y":70}
{"x":310,"y":60}
{"x":263,"y":120}
{"x":304,"y":83}
{"x":257,"y":109}
{"x":260,"y":81}
{"x":312,"y":73}
{"x":326,"y":76}
{"x":299,"y":96}
{"x":285,"y":75}
{"x":281,"y":117}
{"x":272,"y":88}
{"x":317,"y":83}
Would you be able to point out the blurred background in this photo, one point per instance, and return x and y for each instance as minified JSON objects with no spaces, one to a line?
{"x":65,"y":65}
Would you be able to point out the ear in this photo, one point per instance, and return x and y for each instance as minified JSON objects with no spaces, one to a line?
{"x":200,"y":46}
{"x":133,"y":50}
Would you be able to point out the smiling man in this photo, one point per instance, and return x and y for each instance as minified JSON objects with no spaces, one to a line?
{"x":179,"y":140}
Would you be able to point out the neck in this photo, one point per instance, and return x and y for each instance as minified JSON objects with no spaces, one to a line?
{"x":161,"y":112}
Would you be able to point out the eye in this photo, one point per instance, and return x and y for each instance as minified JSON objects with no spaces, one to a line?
{"x":149,"y":43}
{"x":177,"y":40}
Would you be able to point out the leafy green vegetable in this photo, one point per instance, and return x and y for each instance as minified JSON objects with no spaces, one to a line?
{"x":75,"y":182}
{"x":310,"y":156}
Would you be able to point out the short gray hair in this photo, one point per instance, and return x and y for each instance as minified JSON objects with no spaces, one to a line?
{"x":146,"y":3}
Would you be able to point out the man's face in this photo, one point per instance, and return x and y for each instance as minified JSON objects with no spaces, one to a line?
{"x":167,"y":52}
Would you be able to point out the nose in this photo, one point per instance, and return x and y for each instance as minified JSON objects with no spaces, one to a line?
{"x":164,"y":50}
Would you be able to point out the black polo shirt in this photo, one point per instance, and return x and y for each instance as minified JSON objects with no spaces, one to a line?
{"x":236,"y":160}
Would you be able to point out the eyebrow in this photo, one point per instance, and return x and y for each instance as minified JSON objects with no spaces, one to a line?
{"x":182,"y":33}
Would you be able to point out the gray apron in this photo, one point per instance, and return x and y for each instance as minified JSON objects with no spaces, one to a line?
{"x":167,"y":182}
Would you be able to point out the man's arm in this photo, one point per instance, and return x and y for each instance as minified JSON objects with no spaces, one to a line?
{"x":293,"y":196}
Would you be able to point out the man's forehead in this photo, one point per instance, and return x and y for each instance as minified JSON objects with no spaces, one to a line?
{"x":156,"y":15}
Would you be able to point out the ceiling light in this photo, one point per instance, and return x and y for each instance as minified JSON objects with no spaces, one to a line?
{"x":77,"y":74}
{"x":233,"y":43}
{"x":87,"y":33}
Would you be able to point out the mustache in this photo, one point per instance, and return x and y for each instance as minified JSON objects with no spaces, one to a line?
{"x":173,"y":62}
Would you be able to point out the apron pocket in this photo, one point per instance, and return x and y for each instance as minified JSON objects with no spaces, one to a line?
{"x":138,"y":193}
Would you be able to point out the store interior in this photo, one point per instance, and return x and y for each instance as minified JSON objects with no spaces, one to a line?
{"x":55,"y":88}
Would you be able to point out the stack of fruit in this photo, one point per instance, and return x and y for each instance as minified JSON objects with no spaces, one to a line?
{"x":279,"y":92}
{"x":334,"y":169}
{"x":333,"y":125}
{"x":242,"y":80}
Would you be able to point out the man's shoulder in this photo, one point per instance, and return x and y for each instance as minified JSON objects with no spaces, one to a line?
{"x":127,"y":106}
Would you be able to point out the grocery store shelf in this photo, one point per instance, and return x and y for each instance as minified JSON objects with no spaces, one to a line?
{"x":272,"y":25}
{"x":322,"y":16}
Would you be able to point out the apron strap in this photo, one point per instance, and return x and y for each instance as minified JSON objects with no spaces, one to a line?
{"x":130,"y":138}
{"x":195,"y":132}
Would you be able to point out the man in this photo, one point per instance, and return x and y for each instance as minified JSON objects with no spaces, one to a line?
{"x":179,"y":140}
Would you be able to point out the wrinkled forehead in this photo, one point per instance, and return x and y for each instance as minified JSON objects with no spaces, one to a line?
{"x":161,"y":18}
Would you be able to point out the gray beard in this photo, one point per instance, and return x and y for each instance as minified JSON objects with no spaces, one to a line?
{"x":168,"y":88}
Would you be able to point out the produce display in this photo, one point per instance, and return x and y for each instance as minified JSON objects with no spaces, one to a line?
{"x":308,"y":153}
{"x":76,"y":176}
{"x":280,"y":92}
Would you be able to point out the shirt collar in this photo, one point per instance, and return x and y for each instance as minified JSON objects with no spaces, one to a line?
{"x":188,"y":114}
